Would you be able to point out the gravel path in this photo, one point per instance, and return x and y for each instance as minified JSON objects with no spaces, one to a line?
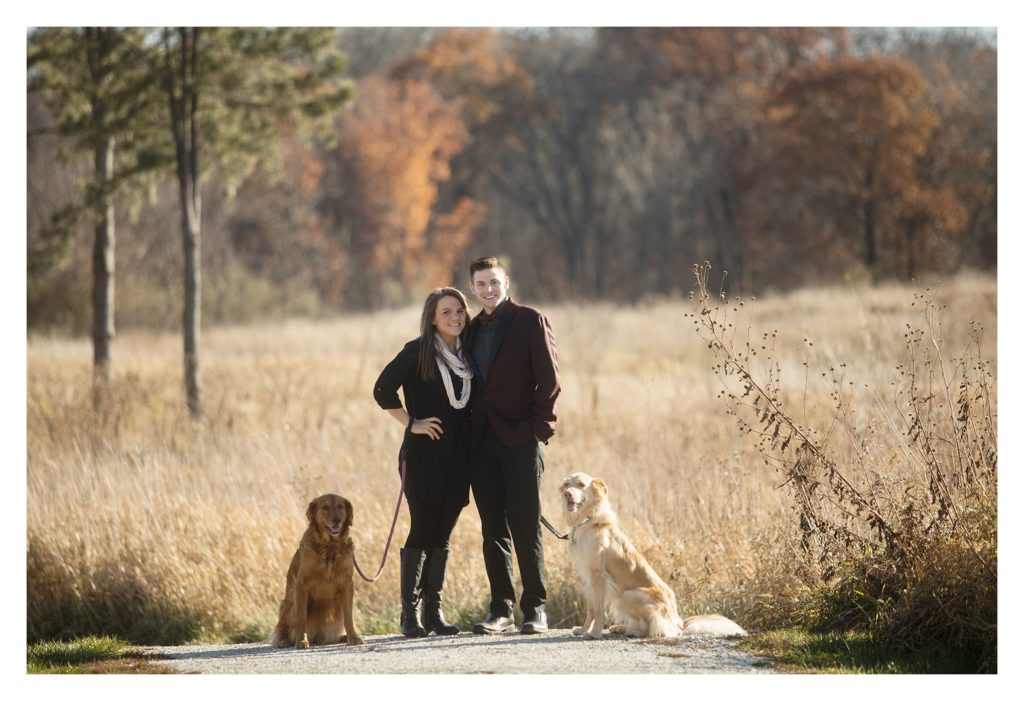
{"x":557,"y":651}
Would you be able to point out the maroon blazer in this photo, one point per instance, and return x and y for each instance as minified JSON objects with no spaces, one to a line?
{"x":519,"y":396}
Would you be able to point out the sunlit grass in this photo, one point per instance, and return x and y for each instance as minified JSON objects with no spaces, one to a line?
{"x":144,"y":525}
{"x":855,"y":653}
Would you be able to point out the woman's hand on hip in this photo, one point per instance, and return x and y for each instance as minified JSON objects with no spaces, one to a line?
{"x":430,"y":427}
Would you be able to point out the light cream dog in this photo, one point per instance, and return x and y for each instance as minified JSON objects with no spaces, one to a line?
{"x":615,"y":574}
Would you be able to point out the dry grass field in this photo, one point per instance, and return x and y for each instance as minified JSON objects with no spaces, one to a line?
{"x":146,"y":525}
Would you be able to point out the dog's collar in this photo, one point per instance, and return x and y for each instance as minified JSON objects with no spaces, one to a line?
{"x":572,"y":532}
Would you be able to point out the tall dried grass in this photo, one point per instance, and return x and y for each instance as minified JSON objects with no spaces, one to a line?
{"x":896,"y":510}
{"x":145,"y":525}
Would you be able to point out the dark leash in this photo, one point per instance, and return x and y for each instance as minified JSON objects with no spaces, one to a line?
{"x":394,"y":520}
{"x":545,"y":522}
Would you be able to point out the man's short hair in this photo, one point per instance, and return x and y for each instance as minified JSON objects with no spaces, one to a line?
{"x":478,"y":265}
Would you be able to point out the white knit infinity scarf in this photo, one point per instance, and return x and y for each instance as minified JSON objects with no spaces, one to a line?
{"x":444,"y":358}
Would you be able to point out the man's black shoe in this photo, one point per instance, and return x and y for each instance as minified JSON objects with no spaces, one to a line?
{"x":495,"y":624}
{"x":537,"y":623}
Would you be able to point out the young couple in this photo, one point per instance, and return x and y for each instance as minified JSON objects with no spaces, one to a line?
{"x":479,"y":407}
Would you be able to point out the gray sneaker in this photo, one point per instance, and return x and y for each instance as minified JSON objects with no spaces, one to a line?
{"x":495,"y":624}
{"x":537,"y":623}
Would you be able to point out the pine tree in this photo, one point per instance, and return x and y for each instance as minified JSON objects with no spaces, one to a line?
{"x":227,"y":91}
{"x":95,"y":85}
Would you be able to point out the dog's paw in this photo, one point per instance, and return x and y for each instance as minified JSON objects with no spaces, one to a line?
{"x":578,"y":630}
{"x":302,"y":644}
{"x":617,"y":629}
{"x":354,"y":640}
{"x":595,"y":634}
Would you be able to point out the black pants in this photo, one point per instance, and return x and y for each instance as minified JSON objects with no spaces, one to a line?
{"x":431,"y":524}
{"x":506,"y":486}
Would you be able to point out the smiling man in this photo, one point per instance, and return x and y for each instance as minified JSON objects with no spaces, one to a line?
{"x":511,"y":348}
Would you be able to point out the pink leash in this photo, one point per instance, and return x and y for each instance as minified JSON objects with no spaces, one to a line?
{"x":398,"y":507}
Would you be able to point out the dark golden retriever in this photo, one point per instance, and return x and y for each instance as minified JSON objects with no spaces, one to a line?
{"x":317,"y":604}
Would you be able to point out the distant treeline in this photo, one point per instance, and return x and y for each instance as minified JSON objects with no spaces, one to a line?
{"x":598,"y":163}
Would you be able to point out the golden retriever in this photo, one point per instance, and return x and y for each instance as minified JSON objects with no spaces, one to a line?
{"x":615,"y":573}
{"x":317,"y":604}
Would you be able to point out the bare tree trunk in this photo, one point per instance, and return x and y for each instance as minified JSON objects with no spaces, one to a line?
{"x":103,"y":275}
{"x":98,"y":49}
{"x":910,"y":241}
{"x":870,"y":238}
{"x":193,"y":293}
{"x":733,"y":237}
{"x":182,"y":94}
{"x":193,"y":240}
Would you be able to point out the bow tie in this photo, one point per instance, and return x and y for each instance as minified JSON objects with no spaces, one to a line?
{"x":486,"y":318}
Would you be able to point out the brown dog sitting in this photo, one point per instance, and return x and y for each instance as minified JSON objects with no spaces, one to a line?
{"x":317,"y":604}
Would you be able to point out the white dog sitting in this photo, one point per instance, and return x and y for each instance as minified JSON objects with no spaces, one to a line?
{"x":613,"y":572}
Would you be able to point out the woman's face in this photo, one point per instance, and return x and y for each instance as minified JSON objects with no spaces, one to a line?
{"x":449,"y":317}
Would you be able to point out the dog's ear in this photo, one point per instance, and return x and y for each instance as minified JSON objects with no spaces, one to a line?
{"x":348,"y":512}
{"x":599,"y":486}
{"x":311,"y":510}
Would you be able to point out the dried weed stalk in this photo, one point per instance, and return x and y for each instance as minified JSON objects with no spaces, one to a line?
{"x":903,"y":544}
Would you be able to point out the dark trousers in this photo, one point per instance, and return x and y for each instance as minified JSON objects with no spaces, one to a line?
{"x":431,"y":524}
{"x":506,"y":487}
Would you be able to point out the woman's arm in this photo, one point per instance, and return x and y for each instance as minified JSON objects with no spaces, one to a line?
{"x":402,"y":369}
{"x":423,"y":426}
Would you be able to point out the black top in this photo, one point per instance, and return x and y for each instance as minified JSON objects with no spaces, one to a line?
{"x":436,"y":470}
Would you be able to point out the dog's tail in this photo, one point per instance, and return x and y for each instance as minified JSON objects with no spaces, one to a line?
{"x":710,"y":624}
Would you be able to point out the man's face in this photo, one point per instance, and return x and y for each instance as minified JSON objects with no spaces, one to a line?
{"x":490,"y":286}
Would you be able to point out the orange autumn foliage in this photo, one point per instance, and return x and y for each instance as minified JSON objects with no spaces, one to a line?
{"x":853,"y":135}
{"x":471,"y":65}
{"x":396,"y":147}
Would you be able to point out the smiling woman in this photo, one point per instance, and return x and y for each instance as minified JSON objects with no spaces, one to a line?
{"x":436,"y":382}
{"x":449,"y":320}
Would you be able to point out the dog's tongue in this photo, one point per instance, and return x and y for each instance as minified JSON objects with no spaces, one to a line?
{"x":572,"y":506}
{"x":335,"y":531}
